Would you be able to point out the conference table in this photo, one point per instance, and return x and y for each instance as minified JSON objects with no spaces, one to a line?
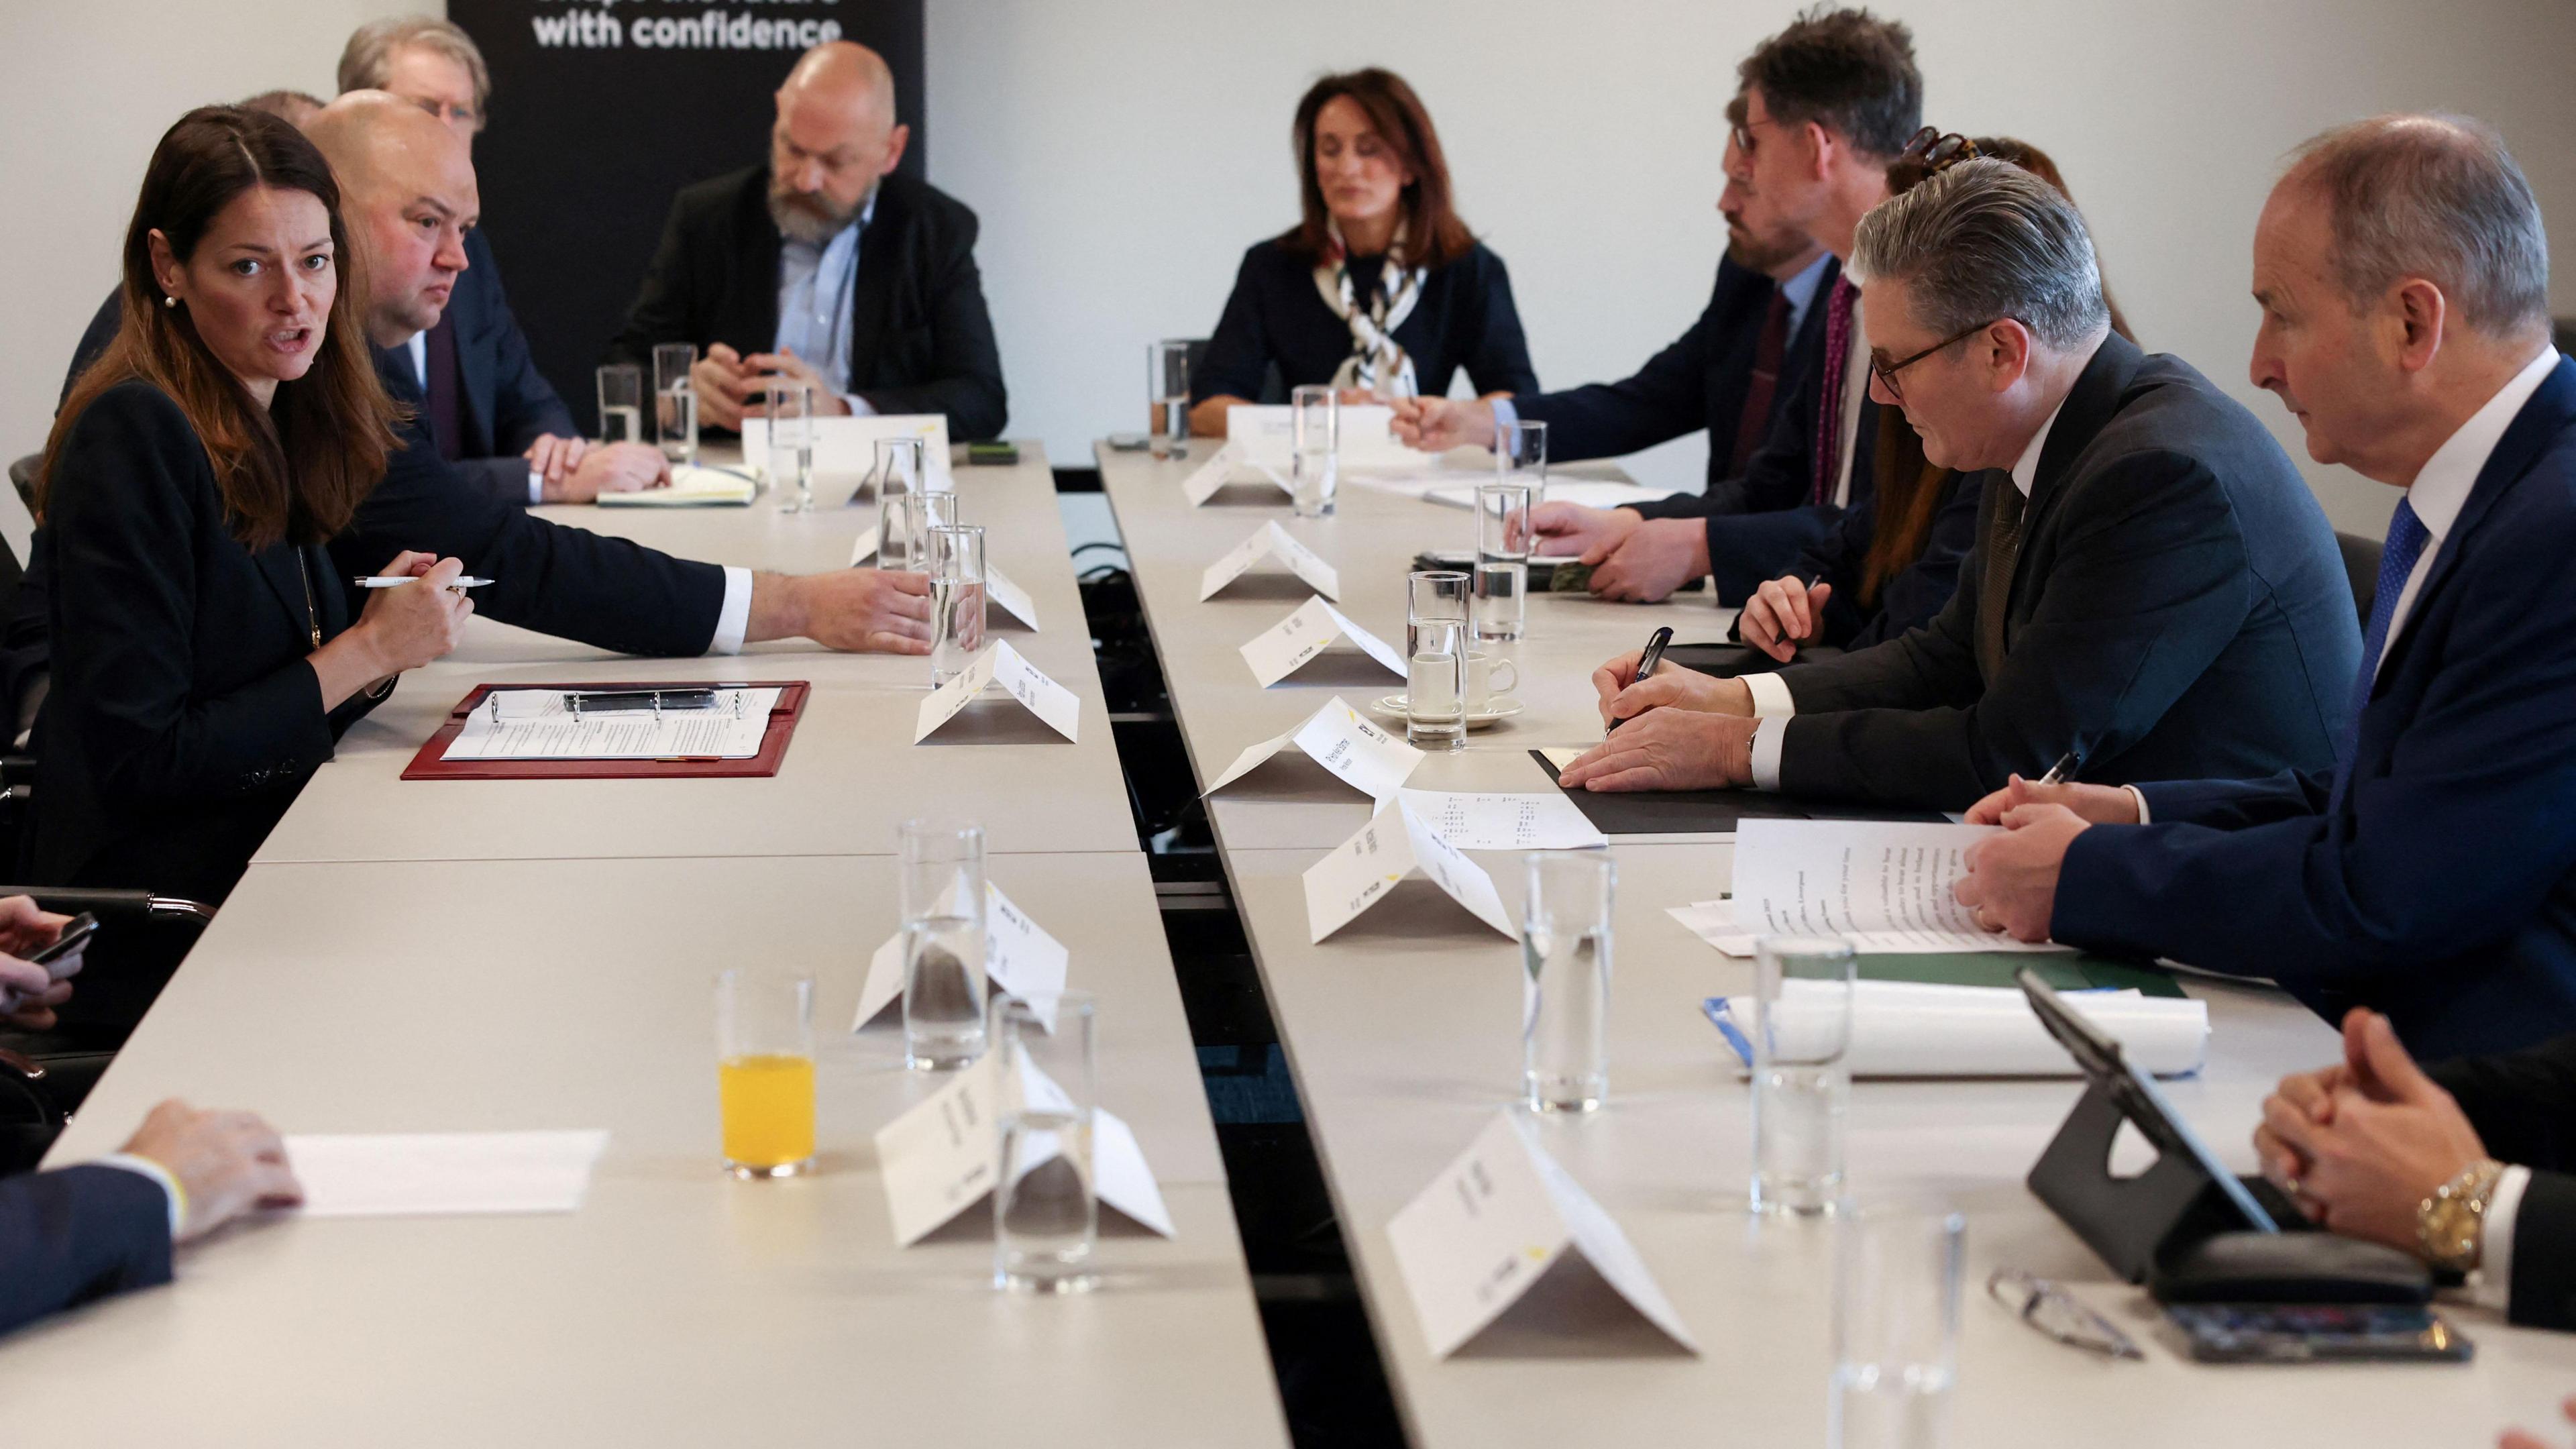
{"x":454,"y":956}
{"x":1402,"y":1030}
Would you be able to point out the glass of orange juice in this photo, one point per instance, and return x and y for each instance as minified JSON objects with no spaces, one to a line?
{"x":765,"y":1071}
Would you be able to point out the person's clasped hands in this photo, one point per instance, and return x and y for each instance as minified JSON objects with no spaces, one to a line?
{"x":577,"y":470}
{"x":2361,"y":1144}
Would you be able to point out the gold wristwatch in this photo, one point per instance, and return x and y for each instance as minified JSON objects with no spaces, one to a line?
{"x":2449,"y":1225}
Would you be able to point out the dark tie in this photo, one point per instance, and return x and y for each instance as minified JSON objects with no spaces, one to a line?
{"x":2406,"y":540}
{"x":1829,"y":418}
{"x":440,"y":386}
{"x":1764,"y":384}
{"x":2002,"y":545}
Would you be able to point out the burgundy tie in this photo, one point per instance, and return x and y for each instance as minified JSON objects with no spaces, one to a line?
{"x":440,"y":387}
{"x":1759,"y":389}
{"x":1829,"y":418}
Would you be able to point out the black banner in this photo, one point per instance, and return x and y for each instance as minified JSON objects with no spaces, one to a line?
{"x":601,"y":109}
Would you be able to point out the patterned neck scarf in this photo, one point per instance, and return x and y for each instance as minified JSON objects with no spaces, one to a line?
{"x":1377,"y":363}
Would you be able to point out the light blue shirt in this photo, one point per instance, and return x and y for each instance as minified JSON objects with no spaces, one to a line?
{"x":814,"y":288}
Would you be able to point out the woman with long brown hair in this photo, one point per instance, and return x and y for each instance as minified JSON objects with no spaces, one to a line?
{"x":1379,"y":289}
{"x":204,"y":662}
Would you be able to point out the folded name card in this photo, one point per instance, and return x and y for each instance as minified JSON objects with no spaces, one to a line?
{"x":865,"y":548}
{"x":1342,"y":740}
{"x":1210,"y":477}
{"x":1019,"y":958}
{"x":1272,"y":541}
{"x":1396,"y":842}
{"x":1498,"y":1219}
{"x":845,"y":448}
{"x":1287,"y":646}
{"x":1000,"y":664}
{"x":1015,"y":601}
{"x":941,"y":1157}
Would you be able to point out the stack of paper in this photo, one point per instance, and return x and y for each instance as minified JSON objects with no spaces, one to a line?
{"x":1880,"y":885}
{"x":1913,"y":1029}
{"x":404,"y":1174}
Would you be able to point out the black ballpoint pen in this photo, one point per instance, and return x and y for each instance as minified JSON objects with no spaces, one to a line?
{"x":1647,"y":663}
{"x":2058,"y":772}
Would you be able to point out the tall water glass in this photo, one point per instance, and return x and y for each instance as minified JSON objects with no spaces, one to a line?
{"x":955,"y":564}
{"x":899,"y":473}
{"x":765,"y":1071}
{"x":1167,"y":391}
{"x":1046,"y":1212}
{"x":941,"y":893}
{"x":1897,"y":1268}
{"x":621,"y":403}
{"x":1565,"y":1002}
{"x":1520,"y":456}
{"x":1802,"y":1013}
{"x":1316,"y":430}
{"x":791,"y":446}
{"x":1502,"y":557}
{"x":675,"y":401}
{"x":1437,"y":641}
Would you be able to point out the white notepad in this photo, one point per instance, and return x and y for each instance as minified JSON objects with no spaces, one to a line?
{"x":415,"y":1174}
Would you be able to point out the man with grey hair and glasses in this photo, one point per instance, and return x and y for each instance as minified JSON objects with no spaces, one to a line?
{"x":2153,"y":591}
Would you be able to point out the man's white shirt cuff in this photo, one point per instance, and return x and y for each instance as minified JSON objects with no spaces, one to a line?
{"x":858,"y":405}
{"x":1770,"y":696}
{"x":734,"y":619}
{"x":1772,"y":707}
{"x":2492,"y":1284}
{"x":536,"y":486}
{"x":169,"y":1185}
{"x":2139,"y":797}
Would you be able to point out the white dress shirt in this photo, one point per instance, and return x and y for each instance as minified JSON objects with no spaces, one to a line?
{"x":1771,"y":701}
{"x":815,"y":283}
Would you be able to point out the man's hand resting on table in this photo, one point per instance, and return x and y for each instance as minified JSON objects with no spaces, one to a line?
{"x":871,"y":611}
{"x":226,"y":1163}
{"x":1668,"y":749}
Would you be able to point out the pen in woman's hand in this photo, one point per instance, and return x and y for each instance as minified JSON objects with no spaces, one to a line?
{"x":1647,"y":662}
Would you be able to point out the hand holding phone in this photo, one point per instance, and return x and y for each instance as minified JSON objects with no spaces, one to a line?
{"x":63,"y":957}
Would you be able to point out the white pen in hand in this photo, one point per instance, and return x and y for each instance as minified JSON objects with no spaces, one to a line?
{"x":387,"y":581}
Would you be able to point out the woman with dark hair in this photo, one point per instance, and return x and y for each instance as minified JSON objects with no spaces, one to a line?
{"x":204,"y":663}
{"x":1890,"y":562}
{"x":1380,"y":289}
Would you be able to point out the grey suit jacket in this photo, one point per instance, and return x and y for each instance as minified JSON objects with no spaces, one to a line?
{"x":2178,"y":611}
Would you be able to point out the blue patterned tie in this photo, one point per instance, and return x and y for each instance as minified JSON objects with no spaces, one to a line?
{"x":2406,"y":540}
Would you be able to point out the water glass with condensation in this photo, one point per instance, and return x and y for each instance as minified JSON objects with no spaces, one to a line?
{"x":1437,"y":641}
{"x":955,"y":564}
{"x":1802,"y":1014}
{"x":765,"y":1071}
{"x":940,"y":891}
{"x":1046,"y":1211}
{"x":1565,"y":996}
{"x":1315,"y":431}
{"x":1897,"y":1271}
{"x":1167,"y":394}
{"x":675,"y":401}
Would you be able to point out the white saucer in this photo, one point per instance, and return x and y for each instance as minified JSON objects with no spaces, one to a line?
{"x":1392,"y":706}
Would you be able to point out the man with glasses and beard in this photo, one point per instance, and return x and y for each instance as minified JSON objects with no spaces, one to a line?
{"x":824,"y":268}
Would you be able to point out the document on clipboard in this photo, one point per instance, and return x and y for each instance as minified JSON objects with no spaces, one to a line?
{"x":544,"y":724}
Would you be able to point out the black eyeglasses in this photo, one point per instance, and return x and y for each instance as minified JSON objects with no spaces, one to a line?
{"x":1886,"y":371}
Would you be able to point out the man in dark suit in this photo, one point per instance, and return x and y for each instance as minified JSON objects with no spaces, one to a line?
{"x":2153,"y":590}
{"x":2428,"y":871}
{"x":826,"y":269}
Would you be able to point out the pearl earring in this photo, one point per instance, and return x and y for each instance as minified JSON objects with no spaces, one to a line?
{"x":169,"y":301}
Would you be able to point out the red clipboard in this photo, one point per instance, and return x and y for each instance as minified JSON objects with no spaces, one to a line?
{"x":431,"y":764}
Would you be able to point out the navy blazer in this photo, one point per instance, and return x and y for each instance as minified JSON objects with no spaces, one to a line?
{"x":1697,"y":382}
{"x":2442,"y":889}
{"x":921,"y":340}
{"x":1917,"y":592}
{"x":77,"y":1234}
{"x":1463,"y":318}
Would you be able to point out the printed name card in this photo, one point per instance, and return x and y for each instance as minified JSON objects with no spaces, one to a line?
{"x":1272,"y":541}
{"x":1493,"y":1223}
{"x":1287,"y":646}
{"x":1015,"y":601}
{"x":1019,"y":958}
{"x":1000,"y":664}
{"x":1343,"y":741}
{"x":941,"y":1157}
{"x":865,"y":548}
{"x":1396,"y":842}
{"x":1221,"y":468}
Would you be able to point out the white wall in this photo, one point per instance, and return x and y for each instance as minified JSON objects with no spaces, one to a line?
{"x":1123,"y":153}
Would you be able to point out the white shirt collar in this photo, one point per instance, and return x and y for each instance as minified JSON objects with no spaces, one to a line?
{"x":2441,"y":487}
{"x":2025,"y":469}
{"x":418,"y":346}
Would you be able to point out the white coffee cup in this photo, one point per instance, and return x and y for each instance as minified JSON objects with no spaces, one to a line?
{"x":1483,"y":686}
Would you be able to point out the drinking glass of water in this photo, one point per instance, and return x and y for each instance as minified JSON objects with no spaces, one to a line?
{"x":1565,"y":1002}
{"x":1046,"y":1211}
{"x":791,"y":446}
{"x":898,"y":475}
{"x":621,"y":403}
{"x":1802,"y":1004}
{"x":1436,"y":645}
{"x":1520,"y":456}
{"x":675,"y":400}
{"x":1315,"y":415}
{"x":1502,"y":557}
{"x":941,"y":894}
{"x":955,"y":564}
{"x":765,"y":1071}
{"x":1167,"y":388}
{"x":1896,"y":1324}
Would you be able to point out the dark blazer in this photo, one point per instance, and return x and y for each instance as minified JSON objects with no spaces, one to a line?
{"x":76,"y":1234}
{"x":183,"y":717}
{"x":2441,"y":889}
{"x":1918,"y":592}
{"x":1697,"y":382}
{"x":1463,"y":318}
{"x":920,"y":338}
{"x":2178,"y":610}
{"x":2524,"y":1107}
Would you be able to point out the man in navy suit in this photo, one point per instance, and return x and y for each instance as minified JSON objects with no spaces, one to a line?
{"x":2431,"y":874}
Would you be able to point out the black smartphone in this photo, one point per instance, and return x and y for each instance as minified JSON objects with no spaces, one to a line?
{"x":2318,"y":1333}
{"x":76,"y":933}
